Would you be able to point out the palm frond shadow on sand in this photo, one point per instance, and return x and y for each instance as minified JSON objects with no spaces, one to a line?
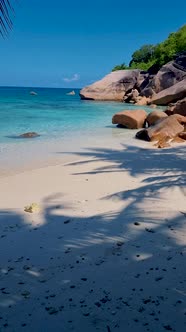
{"x":133,"y":259}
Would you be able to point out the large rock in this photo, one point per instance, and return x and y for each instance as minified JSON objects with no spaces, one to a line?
{"x":170,"y":74}
{"x":134,"y":119}
{"x":114,"y":86}
{"x":172,"y":94}
{"x":178,"y":108}
{"x":165,"y":129}
{"x":155,"y":116}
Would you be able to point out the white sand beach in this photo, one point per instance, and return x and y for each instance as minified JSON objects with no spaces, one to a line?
{"x":106,"y":252}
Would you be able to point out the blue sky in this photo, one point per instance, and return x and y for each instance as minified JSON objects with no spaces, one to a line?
{"x":73,"y":43}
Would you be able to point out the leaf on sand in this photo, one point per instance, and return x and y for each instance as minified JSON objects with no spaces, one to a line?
{"x":34,"y":207}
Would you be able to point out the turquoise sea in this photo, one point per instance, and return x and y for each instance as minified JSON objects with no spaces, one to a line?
{"x":52,"y":113}
{"x":55,"y":116}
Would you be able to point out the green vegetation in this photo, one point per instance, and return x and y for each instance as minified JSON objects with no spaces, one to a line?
{"x":159,"y":54}
{"x":120,"y":67}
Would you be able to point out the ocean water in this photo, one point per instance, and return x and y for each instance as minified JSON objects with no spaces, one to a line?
{"x":57,"y":117}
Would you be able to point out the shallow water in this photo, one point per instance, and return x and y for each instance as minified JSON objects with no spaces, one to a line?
{"x":60,"y":120}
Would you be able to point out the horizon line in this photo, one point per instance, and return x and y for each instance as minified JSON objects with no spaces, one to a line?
{"x":37,"y":87}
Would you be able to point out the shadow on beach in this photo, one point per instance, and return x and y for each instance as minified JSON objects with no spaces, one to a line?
{"x":115,"y":271}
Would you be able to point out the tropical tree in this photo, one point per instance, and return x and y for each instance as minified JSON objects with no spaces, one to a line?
{"x":144,"y":54}
{"x":120,"y":67}
{"x":181,"y":39}
{"x":158,"y":55}
{"x":6,"y":11}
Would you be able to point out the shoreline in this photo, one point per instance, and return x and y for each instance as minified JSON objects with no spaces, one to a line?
{"x":30,"y":154}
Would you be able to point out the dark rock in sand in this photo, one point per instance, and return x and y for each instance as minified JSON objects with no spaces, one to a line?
{"x":29,"y":135}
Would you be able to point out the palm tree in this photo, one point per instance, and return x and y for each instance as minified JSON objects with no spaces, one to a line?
{"x":6,"y":9}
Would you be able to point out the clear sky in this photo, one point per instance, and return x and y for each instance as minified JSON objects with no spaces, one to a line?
{"x":72,"y":43}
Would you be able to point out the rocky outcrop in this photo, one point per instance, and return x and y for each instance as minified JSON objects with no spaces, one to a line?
{"x":171,"y":94}
{"x":114,"y":86}
{"x":165,"y":130}
{"x":158,"y":126}
{"x":178,"y":108}
{"x":138,"y":87}
{"x":155,"y":116}
{"x":134,"y":119}
{"x":170,"y":74}
{"x":133,"y":97}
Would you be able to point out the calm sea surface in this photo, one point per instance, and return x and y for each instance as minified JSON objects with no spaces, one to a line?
{"x":53,"y":114}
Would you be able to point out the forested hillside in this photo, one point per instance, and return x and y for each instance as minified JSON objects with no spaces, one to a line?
{"x":157,"y":55}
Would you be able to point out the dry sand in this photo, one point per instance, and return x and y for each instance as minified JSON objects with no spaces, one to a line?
{"x":105,"y":253}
